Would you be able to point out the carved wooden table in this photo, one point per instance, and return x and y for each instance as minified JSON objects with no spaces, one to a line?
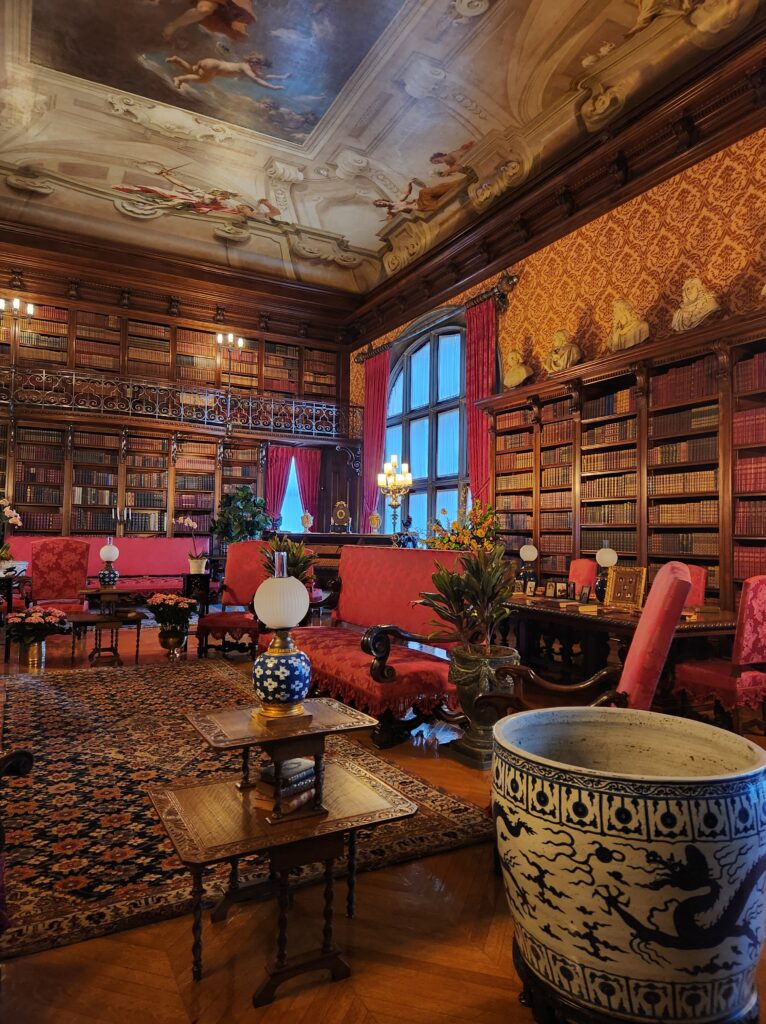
{"x":214,"y":821}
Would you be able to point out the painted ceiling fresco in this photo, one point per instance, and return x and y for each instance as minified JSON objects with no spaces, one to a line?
{"x":329,"y":141}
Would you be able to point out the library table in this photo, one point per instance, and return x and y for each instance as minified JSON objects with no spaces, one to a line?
{"x":214,"y":821}
{"x":595,"y":627}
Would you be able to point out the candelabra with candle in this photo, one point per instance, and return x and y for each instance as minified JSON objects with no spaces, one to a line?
{"x":394,"y":482}
{"x":229,"y":341}
{"x":18,"y":308}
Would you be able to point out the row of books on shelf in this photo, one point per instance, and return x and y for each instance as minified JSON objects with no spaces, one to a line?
{"x":617,"y":458}
{"x":713,"y":581}
{"x":749,"y":560}
{"x":614,"y":404}
{"x":621,"y":514}
{"x":620,"y":540}
{"x":556,"y":499}
{"x":696,"y":449}
{"x":92,"y":521}
{"x":514,"y":460}
{"x":34,"y":453}
{"x":148,"y":522}
{"x":514,"y":521}
{"x":680,"y":483}
{"x":195,"y":463}
{"x":555,"y":542}
{"x":515,"y":482}
{"x":609,"y":433}
{"x":514,"y":442}
{"x":195,"y":483}
{"x":43,"y":355}
{"x":684,"y":544}
{"x":148,"y":330}
{"x":558,"y":476}
{"x":553,"y":433}
{"x":42,"y":522}
{"x":146,"y":461}
{"x":556,"y":521}
{"x":514,"y":541}
{"x":145,"y":499}
{"x":146,"y":479}
{"x":41,"y":340}
{"x":200,"y":501}
{"x":693,"y":380}
{"x":147,"y":355}
{"x":623,"y":486}
{"x":750,"y":518}
{"x":517,"y":418}
{"x":240,"y":472}
{"x":94,"y":477}
{"x":749,"y":426}
{"x":556,"y":410}
{"x":202,"y":519}
{"x":39,"y":474}
{"x":552,"y":456}
{"x":36,"y":494}
{"x":513,"y":502}
{"x":97,"y":362}
{"x":750,"y":374}
{"x":93,"y":496}
{"x":750,"y":473}
{"x":554,"y":563}
{"x":673,"y":423}
{"x":704,"y":512}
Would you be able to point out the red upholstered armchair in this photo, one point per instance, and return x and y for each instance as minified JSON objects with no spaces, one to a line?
{"x":59,"y":571}
{"x":696,"y":597}
{"x":731,"y":685}
{"x":243,"y":574}
{"x":634,"y":686}
{"x":582,"y":572}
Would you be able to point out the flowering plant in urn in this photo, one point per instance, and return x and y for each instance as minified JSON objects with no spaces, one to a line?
{"x":197,"y":559}
{"x":35,"y":624}
{"x":474,"y":531}
{"x":172,"y":613}
{"x":10,"y":517}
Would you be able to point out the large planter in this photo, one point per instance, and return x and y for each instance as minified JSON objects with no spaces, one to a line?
{"x":173,"y":640}
{"x":472,"y":671}
{"x":633,"y":848}
{"x":32,"y":655}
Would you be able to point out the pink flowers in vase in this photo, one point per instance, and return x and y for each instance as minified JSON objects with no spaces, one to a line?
{"x":10,"y":517}
{"x":172,"y":609}
{"x":35,"y":624}
{"x":189,"y":524}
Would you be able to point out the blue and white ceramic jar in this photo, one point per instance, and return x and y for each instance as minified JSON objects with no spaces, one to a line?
{"x":281,"y":677}
{"x":633,"y":849}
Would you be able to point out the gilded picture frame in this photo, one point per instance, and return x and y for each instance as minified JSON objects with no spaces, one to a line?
{"x":625,"y":587}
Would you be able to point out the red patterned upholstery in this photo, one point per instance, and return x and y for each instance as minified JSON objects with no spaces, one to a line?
{"x":696,"y":596}
{"x":582,"y":572}
{"x":59,"y":570}
{"x":243,"y":575}
{"x":740,"y":682}
{"x":340,"y":666}
{"x":654,"y":634}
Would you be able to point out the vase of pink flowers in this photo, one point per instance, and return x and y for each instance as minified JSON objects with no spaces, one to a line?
{"x":197,"y":559}
{"x":172,"y":613}
{"x":30,"y":628}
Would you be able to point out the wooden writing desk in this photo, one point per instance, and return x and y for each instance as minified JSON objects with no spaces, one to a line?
{"x":214,"y":821}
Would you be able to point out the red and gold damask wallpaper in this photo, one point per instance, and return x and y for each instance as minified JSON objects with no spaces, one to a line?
{"x":709,"y":221}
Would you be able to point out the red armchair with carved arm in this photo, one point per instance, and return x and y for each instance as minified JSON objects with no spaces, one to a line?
{"x":243,"y":574}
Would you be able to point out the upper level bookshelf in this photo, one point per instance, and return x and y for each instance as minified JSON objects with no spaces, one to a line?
{"x":668,"y":457}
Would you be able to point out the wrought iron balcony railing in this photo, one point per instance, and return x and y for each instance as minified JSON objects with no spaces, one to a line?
{"x":75,"y":391}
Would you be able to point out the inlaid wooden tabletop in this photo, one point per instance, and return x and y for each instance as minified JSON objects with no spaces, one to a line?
{"x":212,"y":820}
{"x":239,"y":726}
{"x":707,"y":619}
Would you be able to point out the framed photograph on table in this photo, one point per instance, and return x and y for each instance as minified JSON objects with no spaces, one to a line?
{"x":561,"y":591}
{"x":625,"y":587}
{"x":584,"y":595}
{"x":530,"y":588}
{"x":550,"y":589}
{"x":518,"y":586}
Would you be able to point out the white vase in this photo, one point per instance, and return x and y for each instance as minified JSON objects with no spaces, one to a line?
{"x":197,"y":565}
{"x":633,"y":849}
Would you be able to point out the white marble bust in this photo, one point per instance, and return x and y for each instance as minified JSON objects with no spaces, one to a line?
{"x":565,"y":352}
{"x":697,"y":303}
{"x":516,"y":370}
{"x":628,"y":329}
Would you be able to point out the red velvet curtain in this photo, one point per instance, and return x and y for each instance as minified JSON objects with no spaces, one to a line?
{"x":307,"y":464}
{"x":376,"y":372}
{"x":480,"y":382}
{"x":277,"y":473}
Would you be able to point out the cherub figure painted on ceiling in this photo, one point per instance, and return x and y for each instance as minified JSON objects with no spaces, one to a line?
{"x":253,"y":67}
{"x":628,"y":329}
{"x":565,"y":353}
{"x":697,"y":303}
{"x":516,"y":370}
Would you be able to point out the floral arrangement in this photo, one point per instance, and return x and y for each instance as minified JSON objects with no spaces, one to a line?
{"x":476,"y":531}
{"x":35,"y":624}
{"x":190,"y":524}
{"x":10,"y":517}
{"x":172,"y":609}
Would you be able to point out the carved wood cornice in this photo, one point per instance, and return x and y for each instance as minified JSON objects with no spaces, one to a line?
{"x":654,"y":142}
{"x":719,"y":337}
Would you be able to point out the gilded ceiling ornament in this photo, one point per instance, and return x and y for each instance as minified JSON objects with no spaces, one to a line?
{"x":171,"y":122}
{"x":408,"y":242}
{"x":31,"y":181}
{"x":697,"y":303}
{"x":565,"y":353}
{"x":628,"y":329}
{"x":328,"y":249}
{"x":516,"y":370}
{"x":604,"y":103}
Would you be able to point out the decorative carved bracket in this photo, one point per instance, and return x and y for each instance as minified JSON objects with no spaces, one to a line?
{"x":619,"y":170}
{"x":174,"y":449}
{"x":73,"y":289}
{"x":174,"y":305}
{"x":125,"y":298}
{"x":686,"y":132}
{"x":353,"y":457}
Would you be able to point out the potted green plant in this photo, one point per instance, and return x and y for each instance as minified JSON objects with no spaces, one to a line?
{"x":242,"y":516}
{"x":300,"y":561}
{"x":172,"y":613}
{"x":473,"y":602}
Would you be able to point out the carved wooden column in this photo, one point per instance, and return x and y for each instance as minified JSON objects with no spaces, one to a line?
{"x":641,"y":371}
{"x":575,"y":395}
{"x":536,"y":476}
{"x":725,"y":478}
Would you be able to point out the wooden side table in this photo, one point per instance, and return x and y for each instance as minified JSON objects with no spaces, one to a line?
{"x":214,"y":821}
{"x":197,"y":586}
{"x":80,"y":622}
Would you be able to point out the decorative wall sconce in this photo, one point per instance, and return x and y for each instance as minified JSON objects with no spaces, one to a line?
{"x":18,"y":309}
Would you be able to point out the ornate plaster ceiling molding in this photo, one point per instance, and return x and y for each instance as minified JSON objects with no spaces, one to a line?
{"x":408,"y":240}
{"x":31,"y":181}
{"x":170,"y":122}
{"x":324,"y":247}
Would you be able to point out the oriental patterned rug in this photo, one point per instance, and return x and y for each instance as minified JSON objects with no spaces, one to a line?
{"x":86,"y":854}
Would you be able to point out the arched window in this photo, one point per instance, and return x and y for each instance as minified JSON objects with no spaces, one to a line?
{"x":426,"y":427}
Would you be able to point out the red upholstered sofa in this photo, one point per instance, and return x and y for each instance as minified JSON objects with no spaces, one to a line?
{"x":153,"y":563}
{"x":354,"y":658}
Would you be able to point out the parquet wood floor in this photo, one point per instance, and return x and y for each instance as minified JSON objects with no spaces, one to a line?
{"x":431,"y":944}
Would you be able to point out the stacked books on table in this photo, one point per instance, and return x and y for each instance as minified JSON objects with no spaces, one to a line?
{"x":298,"y":784}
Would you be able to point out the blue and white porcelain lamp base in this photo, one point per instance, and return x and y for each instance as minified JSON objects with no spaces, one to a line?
{"x":281,"y":678}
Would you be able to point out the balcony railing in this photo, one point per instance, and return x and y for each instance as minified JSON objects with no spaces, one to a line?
{"x":74,"y":391}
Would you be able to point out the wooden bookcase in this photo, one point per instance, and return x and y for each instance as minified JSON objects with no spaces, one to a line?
{"x":667,"y":448}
